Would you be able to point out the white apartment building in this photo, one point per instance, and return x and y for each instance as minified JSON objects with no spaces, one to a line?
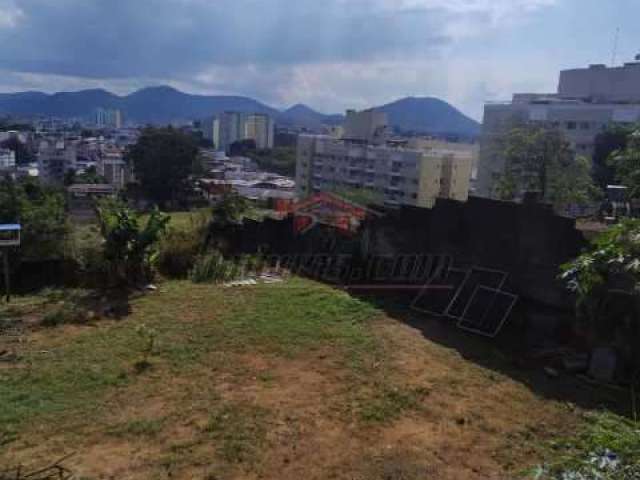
{"x":107,"y":118}
{"x":7,"y":159}
{"x":230,"y":127}
{"x":587,"y":102}
{"x":401,"y":172}
{"x":227,"y":128}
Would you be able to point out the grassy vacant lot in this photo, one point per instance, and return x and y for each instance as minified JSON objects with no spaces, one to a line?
{"x":283,"y":381}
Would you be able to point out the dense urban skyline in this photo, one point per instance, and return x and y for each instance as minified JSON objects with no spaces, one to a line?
{"x":329,"y":55}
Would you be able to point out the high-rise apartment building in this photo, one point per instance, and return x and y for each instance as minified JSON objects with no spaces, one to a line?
{"x":227,"y":128}
{"x":588,"y":100}
{"x":230,"y":127}
{"x":259,"y":128}
{"x":402,"y":172}
{"x":107,"y":118}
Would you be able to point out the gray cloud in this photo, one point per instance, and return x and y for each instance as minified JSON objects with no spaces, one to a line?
{"x":330,"y":54}
{"x":129,"y":38}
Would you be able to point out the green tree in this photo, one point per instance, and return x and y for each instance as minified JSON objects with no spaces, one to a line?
{"x":626,"y":164}
{"x":611,"y":264}
{"x":280,"y":160}
{"x":570,"y":183}
{"x":163,"y":159}
{"x":230,"y":209}
{"x":41,"y":212}
{"x":539,"y":159}
{"x":506,"y":187}
{"x":611,"y":140}
{"x":130,"y":249}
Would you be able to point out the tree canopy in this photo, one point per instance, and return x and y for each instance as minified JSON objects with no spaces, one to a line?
{"x":539,"y":159}
{"x":626,"y":164}
{"x":163,"y":159}
{"x":607,"y":142}
{"x":41,"y":212}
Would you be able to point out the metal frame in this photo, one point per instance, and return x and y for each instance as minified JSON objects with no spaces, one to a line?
{"x":425,"y":289}
{"x":504,"y":274}
{"x":460,"y":324}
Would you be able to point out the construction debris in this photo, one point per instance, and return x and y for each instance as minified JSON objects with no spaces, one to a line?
{"x":267,"y":277}
{"x":474,"y":297}
{"x":240,"y":283}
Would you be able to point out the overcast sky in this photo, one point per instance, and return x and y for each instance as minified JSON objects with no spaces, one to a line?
{"x":329,"y":54}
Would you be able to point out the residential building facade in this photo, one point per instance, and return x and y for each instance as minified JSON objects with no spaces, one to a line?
{"x":227,"y":128}
{"x":230,"y":127}
{"x":400,"y":172}
{"x":588,"y":101}
{"x":55,"y":158}
{"x":107,"y":118}
{"x":259,"y":128}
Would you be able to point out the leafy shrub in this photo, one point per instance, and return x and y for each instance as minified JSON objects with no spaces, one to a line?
{"x":129,"y":249}
{"x":612,"y":264}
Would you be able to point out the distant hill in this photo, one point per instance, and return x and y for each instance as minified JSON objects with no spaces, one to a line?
{"x":429,"y":115}
{"x":411,"y":114}
{"x":303,"y":116}
{"x":165,"y":104}
{"x":149,"y":105}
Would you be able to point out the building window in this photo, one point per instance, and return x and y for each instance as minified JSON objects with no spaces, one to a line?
{"x":571,"y":125}
{"x":585,"y":125}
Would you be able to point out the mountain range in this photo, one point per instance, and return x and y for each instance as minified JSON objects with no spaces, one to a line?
{"x":161,"y":105}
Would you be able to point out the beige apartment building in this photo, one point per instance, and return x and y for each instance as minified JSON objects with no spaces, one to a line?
{"x":259,"y":127}
{"x":402,"y":171}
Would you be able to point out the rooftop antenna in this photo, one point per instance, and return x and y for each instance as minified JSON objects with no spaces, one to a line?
{"x":614,"y":54}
